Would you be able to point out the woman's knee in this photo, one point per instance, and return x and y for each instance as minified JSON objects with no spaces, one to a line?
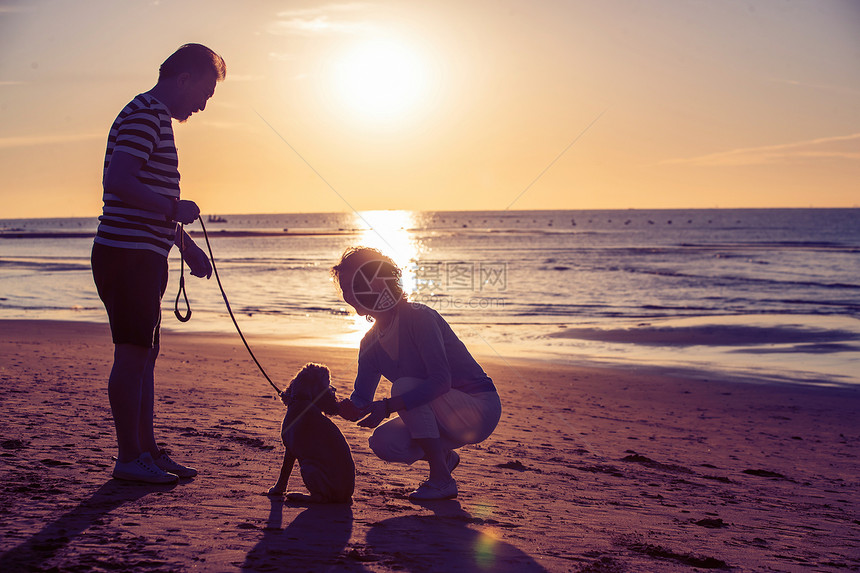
{"x":384,"y":449}
{"x":492,"y":414}
{"x":392,"y":443}
{"x":379,"y":447}
{"x":468,"y":419}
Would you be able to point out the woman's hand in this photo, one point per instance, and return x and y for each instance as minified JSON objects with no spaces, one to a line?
{"x":348,"y":411}
{"x":376,"y":412}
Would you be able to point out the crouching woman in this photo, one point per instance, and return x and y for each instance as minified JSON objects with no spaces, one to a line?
{"x":442,"y":397}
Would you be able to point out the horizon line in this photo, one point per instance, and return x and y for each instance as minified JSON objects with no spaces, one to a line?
{"x":582,"y":210}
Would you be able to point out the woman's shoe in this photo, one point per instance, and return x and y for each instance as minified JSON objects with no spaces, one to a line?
{"x":428,"y":491}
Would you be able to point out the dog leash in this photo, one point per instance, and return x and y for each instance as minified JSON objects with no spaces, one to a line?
{"x":187,"y":316}
{"x":182,"y":291}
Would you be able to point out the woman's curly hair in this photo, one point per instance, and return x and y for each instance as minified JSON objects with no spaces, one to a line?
{"x":354,"y":257}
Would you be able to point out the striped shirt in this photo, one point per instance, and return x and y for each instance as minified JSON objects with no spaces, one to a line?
{"x":144,"y":129}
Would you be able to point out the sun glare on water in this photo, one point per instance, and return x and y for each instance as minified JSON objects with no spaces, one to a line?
{"x":381,"y":80}
{"x":391,"y":232}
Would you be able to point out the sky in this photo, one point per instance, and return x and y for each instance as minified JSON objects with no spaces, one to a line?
{"x":446,"y":105}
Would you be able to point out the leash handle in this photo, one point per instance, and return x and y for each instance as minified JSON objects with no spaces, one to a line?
{"x":182,"y":292}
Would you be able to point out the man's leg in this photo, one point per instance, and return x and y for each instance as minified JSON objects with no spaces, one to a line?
{"x":146,"y":431}
{"x":125,"y":391}
{"x":146,"y":422}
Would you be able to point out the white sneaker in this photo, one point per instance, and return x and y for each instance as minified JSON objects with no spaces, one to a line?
{"x":164,"y":462}
{"x":143,"y":469}
{"x":428,"y":491}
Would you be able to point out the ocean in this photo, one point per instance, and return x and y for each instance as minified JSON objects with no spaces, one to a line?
{"x":761,"y":294}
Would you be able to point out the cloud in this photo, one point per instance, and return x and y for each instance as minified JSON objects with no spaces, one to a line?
{"x":845,"y":147}
{"x":841,"y":89}
{"x":38,"y":140}
{"x":321,"y":20}
{"x":12,"y":83}
{"x":15,"y":9}
{"x":325,"y":10}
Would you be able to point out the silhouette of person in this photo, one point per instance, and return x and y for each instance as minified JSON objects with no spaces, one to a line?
{"x":443,"y":397}
{"x":138,"y":226}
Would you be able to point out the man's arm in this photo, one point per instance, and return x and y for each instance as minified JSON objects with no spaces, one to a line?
{"x":121,"y":179}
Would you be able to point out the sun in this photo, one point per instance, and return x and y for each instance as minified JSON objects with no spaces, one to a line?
{"x":381,"y":80}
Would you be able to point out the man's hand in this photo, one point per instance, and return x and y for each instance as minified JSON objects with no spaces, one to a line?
{"x":376,"y":413}
{"x":348,"y":411}
{"x":197,"y":260}
{"x":186,"y":213}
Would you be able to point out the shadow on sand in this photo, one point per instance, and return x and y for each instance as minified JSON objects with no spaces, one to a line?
{"x":449,"y":540}
{"x":34,"y":553}
{"x":313,"y":541}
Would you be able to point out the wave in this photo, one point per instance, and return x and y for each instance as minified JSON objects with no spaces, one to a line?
{"x":42,"y":307}
{"x":41,"y":264}
{"x":712,"y":335}
{"x":829,"y":245}
{"x":274,"y":233}
{"x":714,"y":280}
{"x":654,"y":311}
{"x":23,"y":234}
{"x":812,"y":348}
{"x":287,"y":310}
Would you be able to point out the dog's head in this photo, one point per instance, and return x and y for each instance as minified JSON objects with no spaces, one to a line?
{"x":312,"y":384}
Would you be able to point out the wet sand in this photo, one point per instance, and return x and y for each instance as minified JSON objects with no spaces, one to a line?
{"x":590,"y":470}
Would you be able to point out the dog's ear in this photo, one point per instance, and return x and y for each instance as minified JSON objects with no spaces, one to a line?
{"x":292,"y":390}
{"x":296,"y":388}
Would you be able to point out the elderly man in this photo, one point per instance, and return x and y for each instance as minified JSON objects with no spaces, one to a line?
{"x":139,"y":224}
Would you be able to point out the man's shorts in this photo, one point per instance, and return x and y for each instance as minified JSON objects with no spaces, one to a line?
{"x":131,"y":283}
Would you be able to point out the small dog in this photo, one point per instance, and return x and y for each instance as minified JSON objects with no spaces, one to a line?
{"x":315,"y":441}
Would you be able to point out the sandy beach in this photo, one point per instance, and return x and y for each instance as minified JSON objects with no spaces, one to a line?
{"x":590,"y":470}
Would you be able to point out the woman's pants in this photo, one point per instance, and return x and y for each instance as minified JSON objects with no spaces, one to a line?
{"x":455,"y":417}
